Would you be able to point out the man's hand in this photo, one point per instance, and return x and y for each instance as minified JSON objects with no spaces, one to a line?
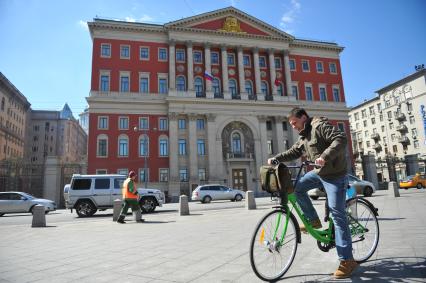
{"x":319,"y":161}
{"x":270,"y":161}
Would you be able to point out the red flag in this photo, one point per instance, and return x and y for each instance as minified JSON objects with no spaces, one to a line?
{"x":277,"y":82}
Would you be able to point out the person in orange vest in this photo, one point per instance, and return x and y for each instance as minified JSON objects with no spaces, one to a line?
{"x":130,"y":197}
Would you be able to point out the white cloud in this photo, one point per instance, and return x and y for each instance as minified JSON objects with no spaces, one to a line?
{"x":83,"y":24}
{"x":290,"y":15}
{"x":233,"y":3}
{"x":130,"y":19}
{"x":146,"y":18}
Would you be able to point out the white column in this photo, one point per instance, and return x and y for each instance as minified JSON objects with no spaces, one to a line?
{"x":190,"y":66}
{"x":211,"y":147}
{"x":243,"y":94}
{"x":259,"y":93}
{"x":263,"y":139}
{"x":287,"y":72}
{"x":174,"y":184}
{"x":225,"y":86}
{"x":172,"y":67}
{"x":279,"y":134}
{"x":207,"y":59}
{"x":272,"y":72}
{"x":193,"y":154}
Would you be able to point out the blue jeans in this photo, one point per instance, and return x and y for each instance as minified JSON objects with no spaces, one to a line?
{"x":336,"y":195}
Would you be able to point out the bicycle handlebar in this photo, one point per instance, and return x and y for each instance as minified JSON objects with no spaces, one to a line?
{"x":304,"y":163}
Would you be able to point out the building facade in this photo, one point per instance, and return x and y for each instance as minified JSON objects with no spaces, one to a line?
{"x":203,"y":99}
{"x":392,"y":124}
{"x":55,"y":133}
{"x":13,"y":118}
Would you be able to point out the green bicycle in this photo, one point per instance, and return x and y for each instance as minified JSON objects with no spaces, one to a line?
{"x":274,"y":242}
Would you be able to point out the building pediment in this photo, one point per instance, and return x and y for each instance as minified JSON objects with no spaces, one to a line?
{"x":230,"y":21}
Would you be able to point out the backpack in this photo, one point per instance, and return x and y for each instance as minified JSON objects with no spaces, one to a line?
{"x":276,"y":179}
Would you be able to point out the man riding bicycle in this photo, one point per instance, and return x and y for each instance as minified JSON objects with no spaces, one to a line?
{"x":321,"y":142}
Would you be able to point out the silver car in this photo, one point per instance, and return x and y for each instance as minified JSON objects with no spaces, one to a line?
{"x":207,"y":193}
{"x":18,"y":202}
{"x":362,"y":187}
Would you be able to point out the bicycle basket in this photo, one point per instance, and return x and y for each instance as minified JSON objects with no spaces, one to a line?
{"x":276,"y":179}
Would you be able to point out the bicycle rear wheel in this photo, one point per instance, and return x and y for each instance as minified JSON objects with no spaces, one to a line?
{"x":364,"y":228}
{"x":269,"y":258}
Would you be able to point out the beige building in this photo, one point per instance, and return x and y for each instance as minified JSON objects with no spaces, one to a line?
{"x":392,"y":124}
{"x":13,"y":116}
{"x":55,"y":133}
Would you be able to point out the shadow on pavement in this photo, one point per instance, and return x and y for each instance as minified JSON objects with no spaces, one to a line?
{"x":389,"y":218}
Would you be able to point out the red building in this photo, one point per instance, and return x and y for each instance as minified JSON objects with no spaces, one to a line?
{"x":203,"y":99}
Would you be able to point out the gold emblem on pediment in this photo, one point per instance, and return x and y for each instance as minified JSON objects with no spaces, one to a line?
{"x":231,"y":24}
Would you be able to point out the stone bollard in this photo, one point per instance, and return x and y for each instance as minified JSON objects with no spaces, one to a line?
{"x":183,"y":205}
{"x":250,"y":201}
{"x":39,"y":216}
{"x":116,"y":209}
{"x":393,"y":188}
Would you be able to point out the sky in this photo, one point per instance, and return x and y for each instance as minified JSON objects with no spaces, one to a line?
{"x":46,"y":49}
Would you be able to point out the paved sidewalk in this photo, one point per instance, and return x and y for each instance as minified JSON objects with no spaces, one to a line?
{"x":207,"y":246}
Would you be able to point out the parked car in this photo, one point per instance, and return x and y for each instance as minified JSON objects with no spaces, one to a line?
{"x":90,"y":193}
{"x":207,"y":193}
{"x":362,"y":187}
{"x":418,"y":181}
{"x":19,"y":202}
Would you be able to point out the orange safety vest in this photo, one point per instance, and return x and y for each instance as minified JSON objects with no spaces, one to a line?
{"x":127,"y":194}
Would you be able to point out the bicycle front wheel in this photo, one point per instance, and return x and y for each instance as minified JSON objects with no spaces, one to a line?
{"x":364,"y":228}
{"x":270,"y":257}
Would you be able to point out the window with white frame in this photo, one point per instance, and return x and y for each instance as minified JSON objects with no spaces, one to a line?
{"x":164,"y":175}
{"x":308,"y":91}
{"x":199,"y":87}
{"x":295,"y":91}
{"x":102,"y":146}
{"x":292,"y":63}
{"x":416,"y":144}
{"x":143,"y":123}
{"x":323,"y":93}
{"x":305,"y":66}
{"x":341,"y":127}
{"x":200,"y":124}
{"x":262,"y":61}
{"x":333,"y":68}
{"x":270,"y":147}
{"x":231,"y":59}
{"x":123,"y":146}
{"x":143,"y":175}
{"x":214,"y":57}
{"x":123,"y":171}
{"x":181,"y":124}
{"x":105,"y":78}
{"x":216,"y":87}
{"x":336,"y":94}
{"x":180,"y":55}
{"x":233,"y":88}
{"x":106,"y":50}
{"x":180,"y":83}
{"x":144,"y":53}
{"x":202,"y":174}
{"x":201,"y":147}
{"x":123,"y":123}
{"x":163,"y":124}
{"x":182,"y":147}
{"x":143,"y":145}
{"x":102,"y":123}
{"x":144,"y":83}
{"x":246,"y":60}
{"x":280,"y":89}
{"x":162,"y":54}
{"x":277,"y":62}
{"x":101,"y":171}
{"x":162,"y":85}
{"x":183,"y":175}
{"x":164,"y":147}
{"x":198,"y":57}
{"x":124,"y":82}
{"x":124,"y":52}
{"x":320,"y":67}
{"x":248,"y":87}
{"x":264,"y":87}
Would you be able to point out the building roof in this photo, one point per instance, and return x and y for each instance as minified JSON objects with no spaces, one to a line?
{"x":17,"y":94}
{"x":364,"y":103}
{"x":402,"y":81}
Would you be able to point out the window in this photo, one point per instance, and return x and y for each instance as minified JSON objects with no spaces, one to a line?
{"x":143,"y":123}
{"x":105,"y":50}
{"x":102,"y":150}
{"x":200,"y":124}
{"x":292,"y":65}
{"x":389,"y":114}
{"x":198,"y":57}
{"x":124,"y":51}
{"x":163,"y":125}
{"x":144,"y":53}
{"x":143,"y":175}
{"x":364,"y":123}
{"x":102,"y":123}
{"x":262,"y":61}
{"x":305,"y":66}
{"x":323,"y":94}
{"x":390,"y":125}
{"x":269,"y":125}
{"x":202,"y":174}
{"x":2,"y":104}
{"x":383,"y":128}
{"x":249,"y":87}
{"x":143,"y":146}
{"x":104,"y":82}
{"x":333,"y":68}
{"x":182,"y":147}
{"x":381,"y":117}
{"x":233,"y":88}
{"x":180,"y":55}
{"x":124,"y":83}
{"x":123,"y":146}
{"x":144,"y":85}
{"x":409,"y":106}
{"x":336,"y":94}
{"x":162,"y":85}
{"x":371,"y":109}
{"x":294,"y":91}
{"x":412,"y":120}
{"x":118,"y":181}
{"x":373,"y":121}
{"x":81,"y":184}
{"x":164,"y":147}
{"x":308,"y":90}
{"x":180,"y":83}
{"x":341,"y":127}
{"x":366,"y":134}
{"x":102,"y":183}
{"x":182,"y":124}
{"x":246,"y":60}
{"x":395,"y":148}
{"x":368,"y":143}
{"x":416,"y":144}
{"x":285,"y":127}
{"x":183,"y":175}
{"x":162,"y":54}
{"x":236,"y":143}
{"x":214,"y":57}
{"x":216,"y":87}
{"x":320,"y":67}
{"x":414,"y":132}
{"x":264,"y":87}
{"x":280,"y":89}
{"x":123,"y":123}
{"x":270,"y":149}
{"x":231,"y":59}
{"x":201,"y":147}
{"x":277,"y":62}
{"x":199,"y":88}
{"x":164,"y":175}
{"x":379,"y":107}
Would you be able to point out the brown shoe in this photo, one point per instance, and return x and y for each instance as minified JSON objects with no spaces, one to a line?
{"x":315,"y":223}
{"x":345,"y":269}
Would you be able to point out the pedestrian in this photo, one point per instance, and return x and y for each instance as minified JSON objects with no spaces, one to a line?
{"x":321,"y":142}
{"x":130,"y":198}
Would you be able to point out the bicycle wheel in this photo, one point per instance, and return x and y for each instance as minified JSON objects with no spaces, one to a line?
{"x":269,"y":258}
{"x":364,"y":228}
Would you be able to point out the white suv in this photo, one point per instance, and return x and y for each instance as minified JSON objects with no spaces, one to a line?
{"x":88,"y":193}
{"x":207,"y":193}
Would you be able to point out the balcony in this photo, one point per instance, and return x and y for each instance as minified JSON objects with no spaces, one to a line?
{"x":377,"y":147}
{"x":375,"y":136}
{"x":239,"y":156}
{"x":402,"y":128}
{"x":403,"y":140}
{"x":400,"y":116}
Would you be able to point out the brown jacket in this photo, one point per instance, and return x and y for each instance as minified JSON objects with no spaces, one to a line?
{"x":320,"y":139}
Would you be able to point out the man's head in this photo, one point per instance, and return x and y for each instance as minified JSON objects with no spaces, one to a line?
{"x":297,"y":118}
{"x":132,"y":175}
